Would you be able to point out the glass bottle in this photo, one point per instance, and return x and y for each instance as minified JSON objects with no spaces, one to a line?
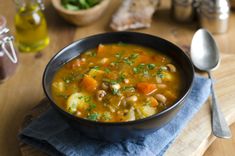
{"x":8,"y":54}
{"x":31,"y":26}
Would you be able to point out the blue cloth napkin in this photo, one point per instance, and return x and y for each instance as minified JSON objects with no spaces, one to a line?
{"x":53,"y":135}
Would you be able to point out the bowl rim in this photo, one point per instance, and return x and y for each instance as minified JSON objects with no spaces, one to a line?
{"x":59,"y":7}
{"x":175,"y":104}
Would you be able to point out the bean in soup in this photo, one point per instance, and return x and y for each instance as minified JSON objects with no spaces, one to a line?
{"x":117,"y":83}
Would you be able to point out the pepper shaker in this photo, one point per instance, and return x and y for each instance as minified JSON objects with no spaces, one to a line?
{"x":214,"y":15}
{"x":183,"y":10}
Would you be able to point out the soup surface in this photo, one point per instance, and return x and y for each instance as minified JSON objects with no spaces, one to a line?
{"x":117,"y":83}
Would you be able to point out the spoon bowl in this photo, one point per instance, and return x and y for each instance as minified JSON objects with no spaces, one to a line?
{"x":204,"y":51}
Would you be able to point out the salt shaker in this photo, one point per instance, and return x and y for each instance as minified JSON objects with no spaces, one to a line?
{"x":182,"y":10}
{"x":214,"y":15}
{"x":8,"y":54}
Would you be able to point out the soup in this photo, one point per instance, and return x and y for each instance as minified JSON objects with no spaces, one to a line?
{"x":117,"y":83}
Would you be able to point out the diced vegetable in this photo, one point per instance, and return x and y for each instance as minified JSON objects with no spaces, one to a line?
{"x":167,"y":76}
{"x":75,"y":102}
{"x":132,"y":99}
{"x":130,"y":116}
{"x":89,"y":83}
{"x":59,"y":86}
{"x":153,"y":101}
{"x":95,"y":72}
{"x":106,"y":116}
{"x":101,"y":50}
{"x":148,"y":110}
{"x":146,"y":88}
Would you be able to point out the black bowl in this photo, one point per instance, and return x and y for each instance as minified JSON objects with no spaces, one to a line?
{"x":121,"y":130}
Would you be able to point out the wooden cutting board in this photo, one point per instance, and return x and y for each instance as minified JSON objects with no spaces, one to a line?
{"x":196,"y":136}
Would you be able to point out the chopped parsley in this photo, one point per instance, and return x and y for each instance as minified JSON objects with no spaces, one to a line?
{"x":91,"y":106}
{"x":160,"y":74}
{"x":115,"y":91}
{"x":107,"y":70}
{"x":133,"y":56}
{"x":106,"y":116}
{"x":128,"y":88}
{"x":143,"y":68}
{"x":121,"y":78}
{"x":128,"y":61}
{"x":93,"y":116}
{"x":95,"y":67}
{"x":151,"y":66}
{"x":118,"y":55}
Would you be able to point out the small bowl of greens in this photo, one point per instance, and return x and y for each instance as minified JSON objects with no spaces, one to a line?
{"x":80,"y":12}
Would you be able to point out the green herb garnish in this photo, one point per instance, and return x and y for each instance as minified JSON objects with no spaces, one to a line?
{"x":134,"y":56}
{"x":95,"y":67}
{"x":151,"y":66}
{"x":106,"y":116}
{"x":128,"y":88}
{"x":107,"y":70}
{"x":93,"y":116}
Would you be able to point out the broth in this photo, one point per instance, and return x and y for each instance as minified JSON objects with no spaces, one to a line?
{"x":117,"y":83}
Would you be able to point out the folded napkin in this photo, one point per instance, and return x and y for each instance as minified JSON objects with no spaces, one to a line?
{"x":53,"y":135}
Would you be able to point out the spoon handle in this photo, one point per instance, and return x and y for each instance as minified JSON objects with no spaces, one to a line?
{"x":220,"y":127}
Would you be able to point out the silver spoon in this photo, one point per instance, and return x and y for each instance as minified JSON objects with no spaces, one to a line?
{"x":205,"y":56}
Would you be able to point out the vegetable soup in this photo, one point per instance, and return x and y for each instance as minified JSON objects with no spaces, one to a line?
{"x":117,"y":83}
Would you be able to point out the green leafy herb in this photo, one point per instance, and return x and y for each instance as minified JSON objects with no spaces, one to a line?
{"x":115,"y":91}
{"x":110,"y":81}
{"x":91,"y":106}
{"x":118,"y":55}
{"x":106,"y":116}
{"x":95,"y":67}
{"x":160,"y":74}
{"x":114,"y":63}
{"x":136,"y":70}
{"x":146,"y":72}
{"x":134,"y":56}
{"x":93,"y":116}
{"x":151,"y":66}
{"x":128,"y":88}
{"x":128,"y":61}
{"x":107,"y":70}
{"x":121,"y":78}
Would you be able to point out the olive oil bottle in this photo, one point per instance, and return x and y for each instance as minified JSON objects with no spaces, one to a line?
{"x":31,"y":27}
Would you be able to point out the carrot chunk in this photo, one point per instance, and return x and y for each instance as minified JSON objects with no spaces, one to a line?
{"x":101,"y":49}
{"x":153,"y":102}
{"x":146,"y":88}
{"x":89,"y":83}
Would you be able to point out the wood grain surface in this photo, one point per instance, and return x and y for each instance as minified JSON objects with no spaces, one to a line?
{"x":23,"y":91}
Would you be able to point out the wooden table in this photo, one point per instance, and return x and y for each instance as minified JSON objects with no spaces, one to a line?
{"x":23,"y":91}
